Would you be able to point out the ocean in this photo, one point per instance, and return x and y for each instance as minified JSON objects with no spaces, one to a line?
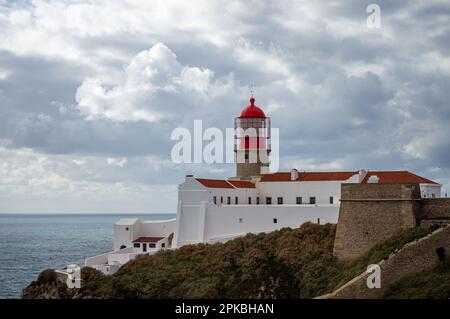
{"x":31,"y":243}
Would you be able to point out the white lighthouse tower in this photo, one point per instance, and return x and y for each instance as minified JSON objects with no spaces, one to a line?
{"x":252,"y":142}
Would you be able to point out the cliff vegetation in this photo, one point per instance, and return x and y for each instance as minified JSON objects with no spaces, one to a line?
{"x":288,"y":263}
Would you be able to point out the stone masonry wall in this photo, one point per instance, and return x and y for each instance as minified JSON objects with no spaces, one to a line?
{"x":435,"y":208}
{"x":253,"y":164}
{"x":248,"y":169}
{"x":370,"y":213}
{"x":413,"y":257}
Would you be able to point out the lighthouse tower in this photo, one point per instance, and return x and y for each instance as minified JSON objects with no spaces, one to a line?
{"x":252,"y":142}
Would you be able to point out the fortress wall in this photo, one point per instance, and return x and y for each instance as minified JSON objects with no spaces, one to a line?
{"x":435,"y":208}
{"x":413,"y":257}
{"x":352,"y":191}
{"x":370,"y":213}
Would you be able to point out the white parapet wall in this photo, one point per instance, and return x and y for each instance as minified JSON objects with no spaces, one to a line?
{"x":107,"y":269}
{"x":207,"y":222}
{"x":110,"y":258}
{"x":109,"y":263}
{"x":226,"y":220}
{"x":430,"y":190}
{"x":97,"y":260}
{"x":122,"y":257}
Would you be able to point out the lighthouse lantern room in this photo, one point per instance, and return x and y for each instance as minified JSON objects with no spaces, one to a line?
{"x":252,"y":142}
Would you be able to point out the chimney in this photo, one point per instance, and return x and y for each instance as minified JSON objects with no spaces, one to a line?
{"x":362,"y":174}
{"x":264,"y":170}
{"x":188,"y":177}
{"x":294,"y":174}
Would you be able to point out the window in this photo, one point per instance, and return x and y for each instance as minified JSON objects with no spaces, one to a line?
{"x":137,"y":245}
{"x":152,"y":245}
{"x":127,"y":228}
{"x":299,"y":200}
{"x":331,"y":200}
{"x":269,"y":200}
{"x":249,"y":200}
{"x":312,"y":200}
{"x":221,"y":199}
{"x":275,"y":220}
{"x":163,"y":245}
{"x":236,"y":200}
{"x":240,"y":220}
{"x":257,"y":200}
{"x":246,"y":156}
{"x":433,"y":195}
{"x":280,"y":200}
{"x":229,"y":200}
{"x":215,"y":200}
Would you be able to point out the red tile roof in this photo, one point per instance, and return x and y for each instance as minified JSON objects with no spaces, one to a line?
{"x":276,"y":177}
{"x":325,"y":176}
{"x":308,"y":176}
{"x":386,"y":177}
{"x":148,"y":239}
{"x":397,"y":177}
{"x":221,"y":183}
{"x":214,"y":183}
{"x":242,"y":184}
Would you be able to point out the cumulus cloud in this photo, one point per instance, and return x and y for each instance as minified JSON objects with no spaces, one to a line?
{"x":150,"y":75}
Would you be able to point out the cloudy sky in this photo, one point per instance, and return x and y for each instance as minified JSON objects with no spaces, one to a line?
{"x":90,"y":92}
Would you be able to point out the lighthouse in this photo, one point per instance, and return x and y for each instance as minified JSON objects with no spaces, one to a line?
{"x":217,"y":210}
{"x":252,"y":142}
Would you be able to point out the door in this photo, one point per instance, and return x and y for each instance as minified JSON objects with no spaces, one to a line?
{"x":144,"y":247}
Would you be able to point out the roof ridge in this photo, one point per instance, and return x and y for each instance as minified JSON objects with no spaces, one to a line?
{"x":427,"y":179}
{"x":230,"y":183}
{"x":205,"y":181}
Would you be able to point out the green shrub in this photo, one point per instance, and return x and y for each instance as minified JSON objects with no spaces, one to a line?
{"x":431,"y":284}
{"x":48,"y":276}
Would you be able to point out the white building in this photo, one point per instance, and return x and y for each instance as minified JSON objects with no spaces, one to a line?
{"x":254,"y":201}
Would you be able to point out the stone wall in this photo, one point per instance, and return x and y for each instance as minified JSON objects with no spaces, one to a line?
{"x":248,"y":169}
{"x":435,"y":208}
{"x":252,"y":165}
{"x":413,"y":257}
{"x":370,"y":213}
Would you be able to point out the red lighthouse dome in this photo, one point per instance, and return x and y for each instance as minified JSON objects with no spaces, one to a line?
{"x":252,"y":111}
{"x":252,"y":129}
